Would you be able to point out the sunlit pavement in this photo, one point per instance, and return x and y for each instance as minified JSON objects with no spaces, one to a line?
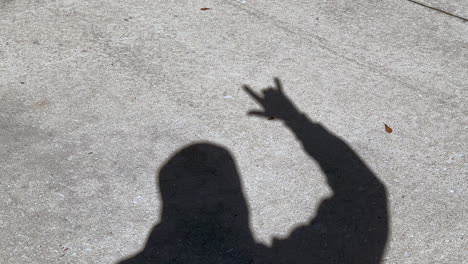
{"x":97,"y":95}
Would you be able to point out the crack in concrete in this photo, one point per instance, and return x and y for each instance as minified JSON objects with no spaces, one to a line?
{"x":324,"y":44}
{"x":438,"y":10}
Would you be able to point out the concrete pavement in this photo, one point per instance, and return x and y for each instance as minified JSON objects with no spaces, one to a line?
{"x":96,"y":96}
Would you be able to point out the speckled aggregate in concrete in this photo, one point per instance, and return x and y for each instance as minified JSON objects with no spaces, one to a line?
{"x":96,"y":95}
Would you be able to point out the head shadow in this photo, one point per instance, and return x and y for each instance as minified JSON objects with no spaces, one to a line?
{"x":204,"y":218}
{"x":201,"y":183}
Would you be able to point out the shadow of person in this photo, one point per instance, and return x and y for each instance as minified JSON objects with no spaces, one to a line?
{"x":205,"y":217}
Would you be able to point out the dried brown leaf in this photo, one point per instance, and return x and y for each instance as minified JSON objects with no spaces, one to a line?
{"x":388,"y":129}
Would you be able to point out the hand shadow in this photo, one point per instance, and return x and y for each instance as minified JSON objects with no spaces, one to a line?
{"x":205,"y":217}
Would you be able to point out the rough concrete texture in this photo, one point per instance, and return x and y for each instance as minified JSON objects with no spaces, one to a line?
{"x":96,"y":95}
{"x":454,"y":7}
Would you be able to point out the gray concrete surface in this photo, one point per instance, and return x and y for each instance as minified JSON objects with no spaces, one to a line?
{"x":455,"y":7}
{"x":96,"y":95}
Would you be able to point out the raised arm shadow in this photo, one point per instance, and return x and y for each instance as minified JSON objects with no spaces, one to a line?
{"x":352,"y":225}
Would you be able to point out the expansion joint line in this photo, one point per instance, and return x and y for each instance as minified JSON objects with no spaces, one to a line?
{"x":439,"y":10}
